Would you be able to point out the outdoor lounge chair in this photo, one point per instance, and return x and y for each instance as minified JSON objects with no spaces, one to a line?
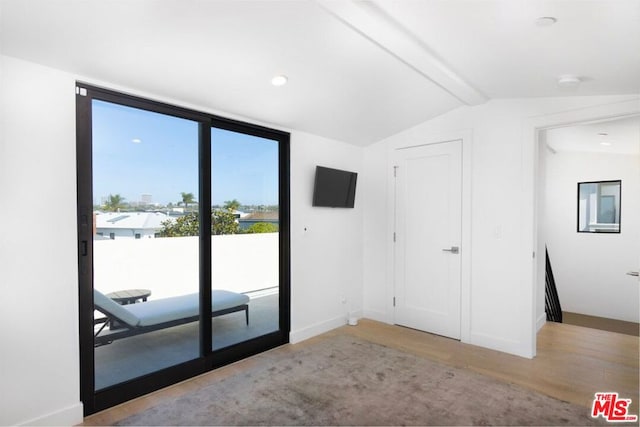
{"x":135,"y":319}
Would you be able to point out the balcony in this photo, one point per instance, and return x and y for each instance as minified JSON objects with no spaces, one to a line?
{"x":168,"y":267}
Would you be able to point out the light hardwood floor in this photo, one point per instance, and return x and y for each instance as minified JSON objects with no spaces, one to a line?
{"x":572,"y":364}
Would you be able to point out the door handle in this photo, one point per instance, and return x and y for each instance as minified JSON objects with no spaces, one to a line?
{"x":633,"y":273}
{"x":453,"y":250}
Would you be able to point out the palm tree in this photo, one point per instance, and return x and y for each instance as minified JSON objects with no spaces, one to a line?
{"x":232,"y":205}
{"x":114,"y":202}
{"x":187,"y":198}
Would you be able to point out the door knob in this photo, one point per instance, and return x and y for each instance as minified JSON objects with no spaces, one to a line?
{"x":633,"y":273}
{"x":453,"y":250}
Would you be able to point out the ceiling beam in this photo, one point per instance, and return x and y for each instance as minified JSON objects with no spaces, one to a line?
{"x":371,"y":21}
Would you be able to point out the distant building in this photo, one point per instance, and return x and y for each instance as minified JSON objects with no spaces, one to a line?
{"x":129,"y":225}
{"x":247,"y":220}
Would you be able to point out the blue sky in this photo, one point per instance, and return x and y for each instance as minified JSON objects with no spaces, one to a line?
{"x":138,"y":152}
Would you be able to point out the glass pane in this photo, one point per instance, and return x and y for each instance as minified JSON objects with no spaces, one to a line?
{"x":599,"y":207}
{"x":245,"y":240}
{"x":145,"y":176}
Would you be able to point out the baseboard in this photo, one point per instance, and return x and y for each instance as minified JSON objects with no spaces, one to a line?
{"x":316,"y":329}
{"x":69,"y":416}
{"x":602,"y":323}
{"x":542,"y":319}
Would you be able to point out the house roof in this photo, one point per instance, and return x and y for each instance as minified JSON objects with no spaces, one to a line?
{"x":262,"y":216}
{"x":131,"y":220}
{"x":359,"y":71}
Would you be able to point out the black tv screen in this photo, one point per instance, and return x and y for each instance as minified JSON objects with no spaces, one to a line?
{"x":334,"y":188}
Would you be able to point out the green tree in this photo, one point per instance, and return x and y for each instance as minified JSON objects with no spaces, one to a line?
{"x":262,"y":227}
{"x":186,"y":225}
{"x":186,"y":199}
{"x":232,"y":205}
{"x":222,"y":222}
{"x":114,"y":203}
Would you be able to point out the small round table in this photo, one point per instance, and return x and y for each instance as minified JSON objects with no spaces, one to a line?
{"x":129,"y":296}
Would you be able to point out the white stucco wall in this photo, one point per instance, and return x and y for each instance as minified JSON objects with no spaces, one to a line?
{"x":169,"y":266}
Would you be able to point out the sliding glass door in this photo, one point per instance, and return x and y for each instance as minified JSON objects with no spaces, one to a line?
{"x":183,"y":243}
{"x":245,"y":235}
{"x":145,"y":175}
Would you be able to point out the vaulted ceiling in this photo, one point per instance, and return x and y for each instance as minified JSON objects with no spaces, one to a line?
{"x":358,"y":71}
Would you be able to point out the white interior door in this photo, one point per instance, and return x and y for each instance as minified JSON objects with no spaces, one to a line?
{"x":428,"y":183}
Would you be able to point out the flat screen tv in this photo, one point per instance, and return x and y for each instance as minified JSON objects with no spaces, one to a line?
{"x":334,"y":188}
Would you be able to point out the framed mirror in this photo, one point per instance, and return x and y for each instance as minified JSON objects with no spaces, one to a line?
{"x":599,"y":206}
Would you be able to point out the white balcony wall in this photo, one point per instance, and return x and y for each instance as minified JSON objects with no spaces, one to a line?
{"x":169,"y":266}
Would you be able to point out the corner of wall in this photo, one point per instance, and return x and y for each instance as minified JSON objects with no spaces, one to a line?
{"x":542,"y":319}
{"x":377,"y":315}
{"x":69,"y":416}
{"x":316,"y":329}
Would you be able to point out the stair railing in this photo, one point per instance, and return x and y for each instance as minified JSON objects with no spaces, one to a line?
{"x":551,"y":300}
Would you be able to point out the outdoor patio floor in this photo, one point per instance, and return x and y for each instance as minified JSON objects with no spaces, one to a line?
{"x":135,"y":356}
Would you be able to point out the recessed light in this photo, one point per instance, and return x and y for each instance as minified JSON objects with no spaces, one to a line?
{"x":606,"y":144}
{"x":279,"y":80}
{"x":546,"y":21}
{"x":569,"y":81}
{"x":136,"y":140}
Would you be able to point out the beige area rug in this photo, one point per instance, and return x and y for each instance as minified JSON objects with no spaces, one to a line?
{"x":343,"y":380}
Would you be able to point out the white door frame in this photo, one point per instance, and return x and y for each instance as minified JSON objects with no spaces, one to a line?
{"x":532,"y":238}
{"x":465,"y":245}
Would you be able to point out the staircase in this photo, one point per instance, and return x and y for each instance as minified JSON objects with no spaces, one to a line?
{"x":551,"y":300}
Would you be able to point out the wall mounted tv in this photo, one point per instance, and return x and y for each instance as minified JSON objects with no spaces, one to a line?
{"x":334,"y":188}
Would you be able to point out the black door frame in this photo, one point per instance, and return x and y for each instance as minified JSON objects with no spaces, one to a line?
{"x":95,"y":401}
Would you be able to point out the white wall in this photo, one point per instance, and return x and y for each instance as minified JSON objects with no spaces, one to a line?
{"x":326,"y":243}
{"x":38,"y":274}
{"x":589,"y":268}
{"x":39,"y":316}
{"x":501,"y":297}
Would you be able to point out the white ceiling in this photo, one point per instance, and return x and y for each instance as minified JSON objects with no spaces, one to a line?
{"x":359,"y":71}
{"x":622,"y":136}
